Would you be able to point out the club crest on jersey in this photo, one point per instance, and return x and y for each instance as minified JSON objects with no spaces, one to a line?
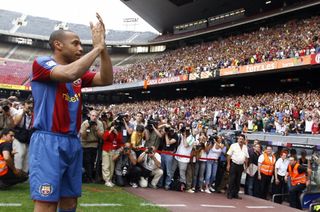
{"x":77,"y":82}
{"x":45,"y":189}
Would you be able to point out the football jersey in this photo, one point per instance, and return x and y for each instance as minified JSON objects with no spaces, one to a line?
{"x":57,"y":105}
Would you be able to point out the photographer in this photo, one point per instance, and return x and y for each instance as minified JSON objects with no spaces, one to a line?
{"x":152,"y":134}
{"x":9,"y":174}
{"x":22,"y":120}
{"x":184,"y":148}
{"x":107,"y":119}
{"x":214,"y":149}
{"x":6,"y":119}
{"x":200,"y":166}
{"x":126,"y":169}
{"x":150,"y":162}
{"x":126,"y":127}
{"x":90,"y":132}
{"x":112,"y":140}
{"x":168,"y":145}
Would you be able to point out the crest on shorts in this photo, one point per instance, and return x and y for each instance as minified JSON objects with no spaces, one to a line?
{"x":45,"y":189}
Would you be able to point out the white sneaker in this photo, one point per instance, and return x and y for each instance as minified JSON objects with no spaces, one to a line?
{"x":190,"y":191}
{"x":212,"y":189}
{"x":207,"y":191}
{"x":201,"y":190}
{"x":109,"y":184}
{"x":134,"y":185}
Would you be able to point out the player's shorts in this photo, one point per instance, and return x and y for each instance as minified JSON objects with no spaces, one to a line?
{"x":55,"y":166}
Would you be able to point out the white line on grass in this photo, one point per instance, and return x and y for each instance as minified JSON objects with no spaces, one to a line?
{"x":99,"y":204}
{"x":10,"y":204}
{"x":261,"y":207}
{"x":218,"y":206}
{"x":163,"y":205}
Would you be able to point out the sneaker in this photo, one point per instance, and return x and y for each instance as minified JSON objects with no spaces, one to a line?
{"x":201,"y":190}
{"x":212,"y":189}
{"x":190,"y":191}
{"x":166,"y":187}
{"x":207,"y":191}
{"x":109,"y":184}
{"x":153,"y":186}
{"x":134,"y":185}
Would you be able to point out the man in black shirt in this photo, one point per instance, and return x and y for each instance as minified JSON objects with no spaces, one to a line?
{"x":168,"y":145}
{"x":9,"y":175}
{"x":251,"y":184}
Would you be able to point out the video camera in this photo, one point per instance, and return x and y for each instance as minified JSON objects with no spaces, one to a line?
{"x":151,"y":122}
{"x":5,"y":106}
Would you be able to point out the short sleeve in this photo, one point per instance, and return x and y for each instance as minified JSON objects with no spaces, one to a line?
{"x":41,"y":68}
{"x":230,"y":151}
{"x":87,"y":79}
{"x":261,"y":159}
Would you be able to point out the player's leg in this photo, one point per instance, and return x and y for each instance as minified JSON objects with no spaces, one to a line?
{"x":40,"y":206}
{"x":68,"y":204}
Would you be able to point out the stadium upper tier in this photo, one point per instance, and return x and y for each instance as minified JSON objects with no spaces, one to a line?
{"x":19,"y":24}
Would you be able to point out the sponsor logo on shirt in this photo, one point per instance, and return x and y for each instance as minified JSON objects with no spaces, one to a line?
{"x":51,"y":63}
{"x":69,"y":98}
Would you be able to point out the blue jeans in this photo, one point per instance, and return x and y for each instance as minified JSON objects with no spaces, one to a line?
{"x":211,"y":171}
{"x":249,"y":185}
{"x":166,"y":165}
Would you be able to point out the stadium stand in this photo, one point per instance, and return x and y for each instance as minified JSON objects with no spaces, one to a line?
{"x":13,"y":72}
{"x":38,"y":26}
{"x":6,"y":18}
{"x":28,"y":53}
{"x":5,"y":49}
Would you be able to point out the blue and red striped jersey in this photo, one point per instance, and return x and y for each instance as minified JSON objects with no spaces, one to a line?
{"x":57,"y":105}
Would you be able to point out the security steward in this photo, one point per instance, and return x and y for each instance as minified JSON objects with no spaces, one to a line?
{"x":299,"y":181}
{"x":266,"y":163}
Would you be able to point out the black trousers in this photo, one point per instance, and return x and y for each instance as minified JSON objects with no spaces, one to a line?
{"x":235,"y":179}
{"x":89,"y":159}
{"x":133,"y":176}
{"x":280,"y":188}
{"x":11,"y":179}
{"x":294,"y":195}
{"x":220,"y":173}
{"x":264,"y":186}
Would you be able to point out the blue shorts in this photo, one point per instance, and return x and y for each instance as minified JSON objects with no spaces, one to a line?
{"x":55,"y":166}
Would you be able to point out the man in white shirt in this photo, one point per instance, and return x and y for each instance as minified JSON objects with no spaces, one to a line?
{"x":237,"y":157}
{"x":281,"y":168}
{"x":151,"y":166}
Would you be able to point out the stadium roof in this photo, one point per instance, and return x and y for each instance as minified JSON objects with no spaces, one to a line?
{"x":164,"y":14}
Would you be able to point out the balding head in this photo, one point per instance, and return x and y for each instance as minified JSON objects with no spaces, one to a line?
{"x":57,"y":35}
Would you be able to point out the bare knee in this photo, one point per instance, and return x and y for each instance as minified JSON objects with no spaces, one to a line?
{"x":45,"y":206}
{"x":68,"y":203}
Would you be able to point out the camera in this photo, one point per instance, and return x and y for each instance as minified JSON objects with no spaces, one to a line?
{"x":212,"y":139}
{"x":124,"y":171}
{"x":150,"y":123}
{"x":92,"y":123}
{"x":149,"y":150}
{"x":126,"y":149}
{"x":199,"y":146}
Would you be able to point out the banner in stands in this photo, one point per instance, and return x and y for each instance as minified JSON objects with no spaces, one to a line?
{"x":315,"y":59}
{"x":272,"y":65}
{"x":194,"y":76}
{"x":168,"y":80}
{"x":15,"y":87}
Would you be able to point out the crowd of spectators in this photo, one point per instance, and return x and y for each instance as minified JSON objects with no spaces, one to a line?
{"x":283,"y":113}
{"x":292,"y":39}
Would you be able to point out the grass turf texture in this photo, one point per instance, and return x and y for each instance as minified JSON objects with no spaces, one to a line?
{"x":91,"y":194}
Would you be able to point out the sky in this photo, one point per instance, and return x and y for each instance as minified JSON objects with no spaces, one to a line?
{"x":113,"y":12}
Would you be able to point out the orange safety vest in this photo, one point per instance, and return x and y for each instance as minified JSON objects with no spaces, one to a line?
{"x":297,"y":178}
{"x":3,"y":166}
{"x":267,"y":166}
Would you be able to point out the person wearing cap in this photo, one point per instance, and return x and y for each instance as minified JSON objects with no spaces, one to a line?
{"x":237,"y":158}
